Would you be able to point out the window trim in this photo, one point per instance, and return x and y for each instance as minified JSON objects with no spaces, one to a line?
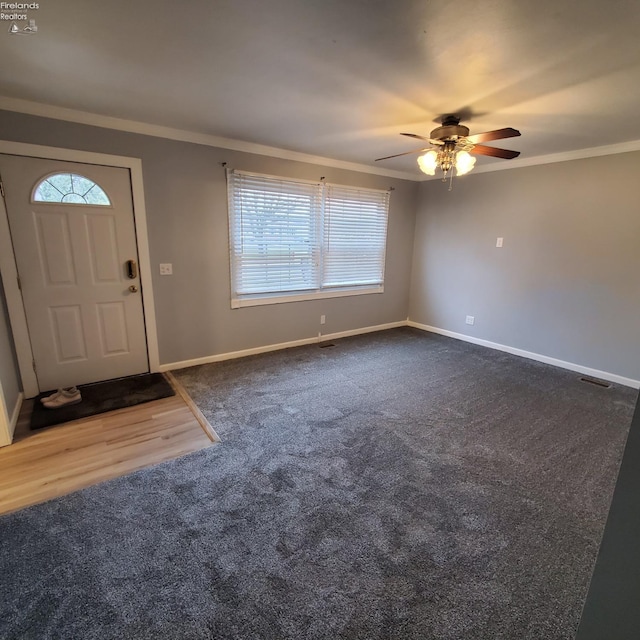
{"x":280,"y":297}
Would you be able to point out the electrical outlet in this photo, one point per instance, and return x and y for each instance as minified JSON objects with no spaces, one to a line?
{"x":166,"y":269}
{"x":470,"y":320}
{"x":323,"y":319}
{"x":499,"y":242}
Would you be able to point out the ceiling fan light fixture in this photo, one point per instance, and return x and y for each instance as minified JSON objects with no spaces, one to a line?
{"x":464,"y":162}
{"x":444,"y":159}
{"x":428,"y":162}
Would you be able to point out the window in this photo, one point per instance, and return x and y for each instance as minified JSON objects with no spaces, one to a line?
{"x":294,"y":240}
{"x":70,"y":188}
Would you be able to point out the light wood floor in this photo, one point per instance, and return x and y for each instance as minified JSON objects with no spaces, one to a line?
{"x":46,"y":464}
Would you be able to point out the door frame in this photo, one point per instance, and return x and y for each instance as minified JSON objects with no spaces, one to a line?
{"x":9,"y":273}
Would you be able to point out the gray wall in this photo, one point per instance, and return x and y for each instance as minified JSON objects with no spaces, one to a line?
{"x":186,"y":205}
{"x":562,"y":286}
{"x":565,"y":283}
{"x":9,"y":375}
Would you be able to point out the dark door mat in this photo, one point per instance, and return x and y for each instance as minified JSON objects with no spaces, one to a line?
{"x":100,"y":397}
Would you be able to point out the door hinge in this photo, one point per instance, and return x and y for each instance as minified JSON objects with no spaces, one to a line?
{"x":19,"y":283}
{"x":33,"y":362}
{"x":2,"y":188}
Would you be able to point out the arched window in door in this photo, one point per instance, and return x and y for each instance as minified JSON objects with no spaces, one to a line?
{"x":70,"y":188}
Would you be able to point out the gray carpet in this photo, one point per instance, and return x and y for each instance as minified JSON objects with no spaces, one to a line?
{"x":399,"y":485}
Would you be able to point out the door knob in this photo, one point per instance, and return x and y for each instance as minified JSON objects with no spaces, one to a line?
{"x":133,"y":288}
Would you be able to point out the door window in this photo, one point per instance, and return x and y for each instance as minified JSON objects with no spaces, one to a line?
{"x":70,"y":188}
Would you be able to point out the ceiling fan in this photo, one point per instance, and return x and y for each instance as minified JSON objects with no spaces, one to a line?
{"x":452,"y":146}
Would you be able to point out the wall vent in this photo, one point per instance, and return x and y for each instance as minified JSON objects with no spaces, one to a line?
{"x":596,"y":381}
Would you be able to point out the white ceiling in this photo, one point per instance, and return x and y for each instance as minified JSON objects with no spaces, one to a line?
{"x":341,"y":78}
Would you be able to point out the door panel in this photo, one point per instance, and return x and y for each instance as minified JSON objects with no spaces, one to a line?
{"x":54,"y":249}
{"x":84,"y":323}
{"x":67,"y":331}
{"x":113,"y":328}
{"x":103,"y":248}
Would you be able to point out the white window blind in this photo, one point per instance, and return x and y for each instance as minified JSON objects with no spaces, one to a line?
{"x":355,"y":232}
{"x":274,"y":234}
{"x":291,"y":239}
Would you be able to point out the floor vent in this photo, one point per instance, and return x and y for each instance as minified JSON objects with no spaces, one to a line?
{"x":324,"y":345}
{"x":599,"y":383}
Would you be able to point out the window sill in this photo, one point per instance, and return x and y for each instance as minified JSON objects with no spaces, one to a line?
{"x":278,"y":298}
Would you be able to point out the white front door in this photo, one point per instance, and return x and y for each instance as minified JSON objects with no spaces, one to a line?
{"x":73,"y":234}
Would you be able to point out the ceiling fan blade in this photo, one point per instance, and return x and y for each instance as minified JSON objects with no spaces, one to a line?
{"x":483,"y":150}
{"x":431,"y":140}
{"x":406,"y":153}
{"x":415,"y":135}
{"x":498,"y":134}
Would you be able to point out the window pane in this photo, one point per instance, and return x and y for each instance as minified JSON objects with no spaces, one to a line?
{"x":81,"y":184}
{"x":62,"y":182}
{"x":273,"y":226}
{"x":46,"y":192}
{"x":355,"y":231}
{"x":96,"y":195}
{"x":73,"y":197}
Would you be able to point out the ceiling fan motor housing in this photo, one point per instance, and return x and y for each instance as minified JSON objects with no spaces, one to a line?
{"x":449,"y":131}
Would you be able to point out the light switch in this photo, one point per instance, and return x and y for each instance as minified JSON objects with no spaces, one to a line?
{"x":499,"y":242}
{"x":166,"y":269}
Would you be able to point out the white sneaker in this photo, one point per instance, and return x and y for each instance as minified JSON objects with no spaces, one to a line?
{"x":51,"y":397}
{"x":62,"y":398}
{"x":55,"y":394}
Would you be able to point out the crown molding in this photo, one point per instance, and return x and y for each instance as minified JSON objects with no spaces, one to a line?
{"x":565,"y":156}
{"x":550,"y":158}
{"x":133,"y":126}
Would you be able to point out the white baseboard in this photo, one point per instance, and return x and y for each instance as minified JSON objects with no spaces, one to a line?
{"x":595,"y":373}
{"x":219,"y":357}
